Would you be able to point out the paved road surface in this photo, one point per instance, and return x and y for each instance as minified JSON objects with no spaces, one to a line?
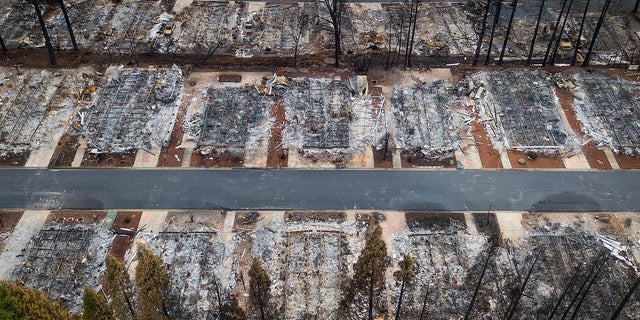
{"x":320,"y":189}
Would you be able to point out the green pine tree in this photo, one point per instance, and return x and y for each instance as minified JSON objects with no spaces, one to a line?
{"x":406,"y":273}
{"x":368,"y":279}
{"x":95,"y":306}
{"x":20,"y":303}
{"x":120,"y":290}
{"x":259,"y":288}
{"x":152,"y":282}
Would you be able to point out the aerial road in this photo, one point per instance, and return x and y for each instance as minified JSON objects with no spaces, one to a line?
{"x":245,"y":189}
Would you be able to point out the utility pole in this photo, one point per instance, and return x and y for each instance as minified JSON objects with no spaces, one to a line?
{"x":514,"y":4}
{"x":493,"y":31}
{"x":535,"y":33}
{"x":584,"y":17}
{"x":66,"y":19}
{"x":47,"y":41}
{"x":555,"y":50}
{"x":585,"y":63}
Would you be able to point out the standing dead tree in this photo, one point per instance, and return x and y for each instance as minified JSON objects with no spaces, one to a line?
{"x":336,"y":9}
{"x":2,"y":44}
{"x":298,"y":29}
{"x":47,"y":40}
{"x":584,"y":17}
{"x":68,"y":22}
{"x":553,"y":34}
{"x":411,"y":31}
{"x":624,"y":301}
{"x":514,"y":5}
{"x":482,"y":31}
{"x":493,"y":32}
{"x":492,"y":250}
{"x":564,"y":22}
{"x":535,"y":33}
{"x":520,"y":290}
{"x":585,"y":63}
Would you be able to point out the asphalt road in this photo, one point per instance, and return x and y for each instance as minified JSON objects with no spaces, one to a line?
{"x":441,"y":190}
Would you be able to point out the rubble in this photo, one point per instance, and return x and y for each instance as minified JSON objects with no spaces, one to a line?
{"x":424,"y":119}
{"x":133,"y":109}
{"x":607,"y":108}
{"x":520,"y":111}
{"x":36,"y":105}
{"x":61,"y":260}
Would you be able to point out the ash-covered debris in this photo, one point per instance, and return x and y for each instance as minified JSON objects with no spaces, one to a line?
{"x":198,"y":262}
{"x":229,"y":118}
{"x":609,"y":111}
{"x":424,"y":119}
{"x":35,"y":105}
{"x":133,"y":109}
{"x":61,"y":260}
{"x":519,"y":109}
{"x":317,"y":113}
{"x":308,"y":256}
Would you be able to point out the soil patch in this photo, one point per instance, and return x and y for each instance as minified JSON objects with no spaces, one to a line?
{"x":533,"y":160}
{"x":123,"y":159}
{"x":170,"y":155}
{"x":8,"y":221}
{"x":434,"y":220}
{"x":14,"y":159}
{"x":65,"y":151}
{"x":597,"y":158}
{"x":225,"y":159}
{"x":489,"y":157}
{"x":627,"y":161}
{"x":412,"y":159}
{"x":125,"y":226}
{"x":486,"y":223}
{"x":382,"y":158}
{"x":72,"y":218}
{"x":295,"y":216}
{"x":276,"y":156}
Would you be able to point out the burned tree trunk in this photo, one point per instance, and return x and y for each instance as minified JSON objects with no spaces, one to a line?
{"x":535,"y":34}
{"x":47,"y":41}
{"x":492,"y":250}
{"x":2,"y":44}
{"x":493,"y":31}
{"x":66,"y":19}
{"x":481,"y":36}
{"x":516,"y":299}
{"x":626,"y":298}
{"x":553,"y":34}
{"x":585,"y":63}
{"x":514,"y":4}
{"x":564,"y":22}
{"x":575,"y":51}
{"x":336,"y":8}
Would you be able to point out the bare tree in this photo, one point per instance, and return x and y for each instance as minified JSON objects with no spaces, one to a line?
{"x":300,"y":27}
{"x":585,"y":63}
{"x":66,"y":19}
{"x":411,"y":31}
{"x":584,"y":17}
{"x":514,"y":5}
{"x":535,"y":33}
{"x":47,"y":40}
{"x":482,"y":31}
{"x":336,"y":9}
{"x":493,"y":31}
{"x":2,"y":44}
